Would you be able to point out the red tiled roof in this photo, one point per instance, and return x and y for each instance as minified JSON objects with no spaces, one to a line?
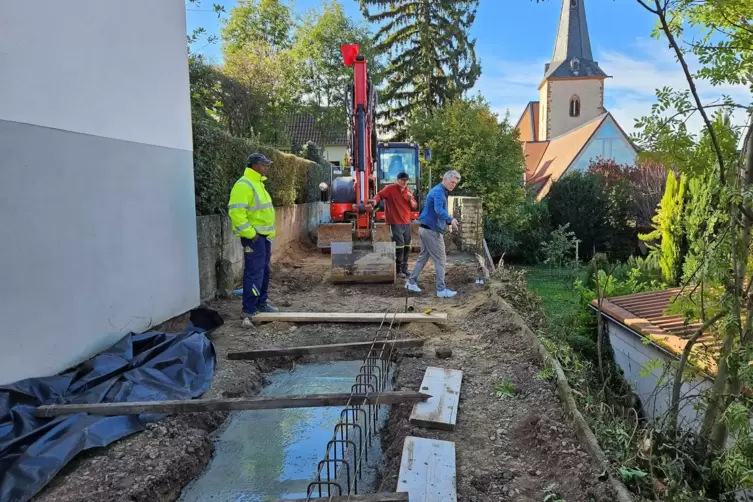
{"x":562,"y":151}
{"x":533,"y":151}
{"x":303,"y":127}
{"x":645,"y":314}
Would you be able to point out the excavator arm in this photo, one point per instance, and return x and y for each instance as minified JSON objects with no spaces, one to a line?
{"x":367,"y":254}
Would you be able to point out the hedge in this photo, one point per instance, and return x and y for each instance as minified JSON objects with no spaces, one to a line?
{"x":220,"y":159}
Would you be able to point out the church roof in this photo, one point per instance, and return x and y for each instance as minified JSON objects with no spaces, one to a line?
{"x":572,"y":56}
{"x":533,"y":151}
{"x":558,"y":155}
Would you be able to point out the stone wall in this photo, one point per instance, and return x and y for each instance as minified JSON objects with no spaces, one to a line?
{"x":221,"y":255}
{"x":469,"y":212}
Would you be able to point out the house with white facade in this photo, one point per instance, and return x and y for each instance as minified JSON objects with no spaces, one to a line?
{"x":97,"y":205}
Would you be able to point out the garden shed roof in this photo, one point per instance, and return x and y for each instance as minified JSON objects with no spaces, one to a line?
{"x":644,"y":313}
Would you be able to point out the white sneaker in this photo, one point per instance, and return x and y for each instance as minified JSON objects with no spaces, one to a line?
{"x":412,"y":287}
{"x":446,"y":293}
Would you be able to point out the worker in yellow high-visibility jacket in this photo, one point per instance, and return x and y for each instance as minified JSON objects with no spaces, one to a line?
{"x":253,"y":217}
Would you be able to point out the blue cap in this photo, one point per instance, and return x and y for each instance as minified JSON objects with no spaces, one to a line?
{"x":258,"y":158}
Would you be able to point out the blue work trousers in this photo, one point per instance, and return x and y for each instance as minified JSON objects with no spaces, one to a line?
{"x":256,"y":256}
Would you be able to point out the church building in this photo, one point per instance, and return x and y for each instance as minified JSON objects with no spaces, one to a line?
{"x":568,"y":126}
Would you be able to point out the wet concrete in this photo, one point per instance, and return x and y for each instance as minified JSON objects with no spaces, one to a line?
{"x":267,"y":454}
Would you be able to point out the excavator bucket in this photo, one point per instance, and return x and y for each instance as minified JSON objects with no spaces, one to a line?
{"x":368,"y":261}
{"x":333,"y":232}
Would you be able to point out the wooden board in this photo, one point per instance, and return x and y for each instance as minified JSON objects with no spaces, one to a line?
{"x":374,"y":497}
{"x":323,"y":349}
{"x":347,"y":317}
{"x":253,"y":403}
{"x":441,"y":410}
{"x":427,"y":470}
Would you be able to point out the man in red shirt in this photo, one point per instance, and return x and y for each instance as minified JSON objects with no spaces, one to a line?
{"x":398,"y":202}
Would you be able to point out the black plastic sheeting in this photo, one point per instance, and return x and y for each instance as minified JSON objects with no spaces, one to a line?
{"x":152,"y":366}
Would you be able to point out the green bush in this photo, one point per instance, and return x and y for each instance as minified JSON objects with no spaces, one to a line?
{"x":219,"y":160}
{"x":520,"y":240}
{"x":317,"y":173}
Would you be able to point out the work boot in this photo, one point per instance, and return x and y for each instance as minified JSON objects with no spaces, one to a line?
{"x":268,"y":308}
{"x":402,"y":275}
{"x":246,"y":319}
{"x":446,"y":293}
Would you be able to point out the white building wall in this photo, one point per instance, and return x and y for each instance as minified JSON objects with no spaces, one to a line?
{"x":97,"y":215}
{"x":652,"y":382}
{"x":335,"y":153}
{"x":591,"y":104}
{"x":608,"y":143}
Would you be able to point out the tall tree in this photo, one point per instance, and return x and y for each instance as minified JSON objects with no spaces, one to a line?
{"x":468,"y":137}
{"x":254,"y":21}
{"x":319,"y":68}
{"x":432,"y":57}
{"x":259,"y":86}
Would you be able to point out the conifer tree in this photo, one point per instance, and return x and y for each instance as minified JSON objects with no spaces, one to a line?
{"x":432,"y":59}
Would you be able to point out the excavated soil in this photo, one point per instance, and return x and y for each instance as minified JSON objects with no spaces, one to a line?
{"x":519,"y":448}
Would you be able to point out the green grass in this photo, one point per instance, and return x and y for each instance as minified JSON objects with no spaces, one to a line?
{"x":555,"y":288}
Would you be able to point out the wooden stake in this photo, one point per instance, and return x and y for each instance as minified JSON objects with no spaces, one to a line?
{"x":322,"y":349}
{"x":253,"y":403}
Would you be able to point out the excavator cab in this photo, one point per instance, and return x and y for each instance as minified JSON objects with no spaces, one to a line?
{"x":393,"y":158}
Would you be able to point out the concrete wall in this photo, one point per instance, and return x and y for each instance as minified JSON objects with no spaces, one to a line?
{"x":97,"y":195}
{"x":469,"y":212}
{"x":654,"y":387}
{"x":215,"y":240}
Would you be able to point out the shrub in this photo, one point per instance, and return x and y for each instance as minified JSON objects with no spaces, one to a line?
{"x":597,"y":205}
{"x":522,"y":238}
{"x":219,"y":160}
{"x":577,"y":200}
{"x":317,"y":173}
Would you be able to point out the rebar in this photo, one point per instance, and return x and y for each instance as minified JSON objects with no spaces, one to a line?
{"x":342,"y":449}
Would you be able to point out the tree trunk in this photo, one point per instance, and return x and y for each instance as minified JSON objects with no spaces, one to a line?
{"x":677,"y":387}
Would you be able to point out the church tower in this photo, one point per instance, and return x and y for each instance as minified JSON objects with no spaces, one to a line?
{"x":572,"y":91}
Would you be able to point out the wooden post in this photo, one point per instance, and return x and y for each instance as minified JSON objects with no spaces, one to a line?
{"x":322,"y":349}
{"x":253,"y":403}
{"x":347,"y":317}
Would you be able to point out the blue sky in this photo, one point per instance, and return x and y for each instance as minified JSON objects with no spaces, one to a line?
{"x":515,"y":38}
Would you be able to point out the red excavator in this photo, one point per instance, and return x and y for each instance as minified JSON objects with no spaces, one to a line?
{"x":361,"y":246}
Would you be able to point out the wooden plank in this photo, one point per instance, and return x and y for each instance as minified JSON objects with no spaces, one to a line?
{"x":323,"y":349}
{"x":441,"y":410}
{"x":348,"y":317}
{"x":375,"y":497}
{"x":427,"y":470}
{"x":253,"y":403}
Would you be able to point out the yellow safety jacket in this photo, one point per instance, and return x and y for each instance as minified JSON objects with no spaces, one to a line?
{"x":250,"y":207}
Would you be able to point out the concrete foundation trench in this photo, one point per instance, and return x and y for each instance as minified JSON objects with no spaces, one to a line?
{"x":302,"y":453}
{"x":515,"y":448}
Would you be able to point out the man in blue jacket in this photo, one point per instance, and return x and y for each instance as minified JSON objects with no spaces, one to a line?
{"x":432,"y":227}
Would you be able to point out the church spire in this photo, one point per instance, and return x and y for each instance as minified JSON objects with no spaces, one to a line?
{"x":572,"y":55}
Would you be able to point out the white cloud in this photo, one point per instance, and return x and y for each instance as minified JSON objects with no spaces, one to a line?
{"x":629,"y":94}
